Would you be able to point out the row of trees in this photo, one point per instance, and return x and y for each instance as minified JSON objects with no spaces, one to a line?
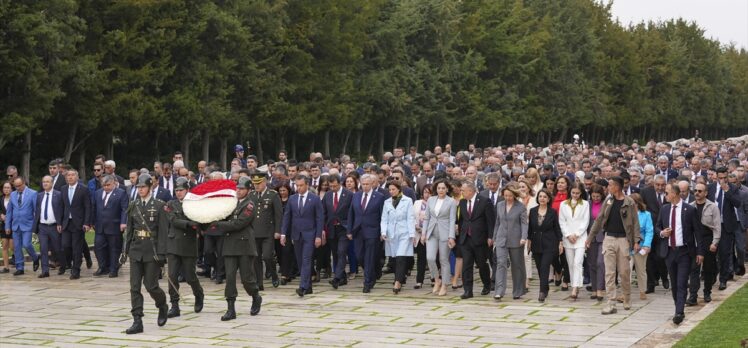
{"x":137,"y":79}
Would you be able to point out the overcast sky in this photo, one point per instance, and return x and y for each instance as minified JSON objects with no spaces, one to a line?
{"x":724,"y":20}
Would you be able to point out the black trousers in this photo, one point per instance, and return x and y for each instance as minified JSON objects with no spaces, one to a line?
{"x":108,"y":247}
{"x":473,"y":253}
{"x":73,"y":243}
{"x":322,"y":257}
{"x":725,"y":252}
{"x":213,"y":257}
{"x":421,"y":262}
{"x":339,"y":248}
{"x":186,"y":266}
{"x":288,"y":261}
{"x":401,"y":268}
{"x":560,"y":266}
{"x":246,"y":266}
{"x":543,"y":263}
{"x":679,"y":266}
{"x":265,"y":251}
{"x":656,"y":268}
{"x":144,"y":273}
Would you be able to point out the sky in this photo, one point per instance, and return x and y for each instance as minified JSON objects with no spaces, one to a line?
{"x":724,"y":20}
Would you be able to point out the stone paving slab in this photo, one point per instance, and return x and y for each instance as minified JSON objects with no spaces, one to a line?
{"x":93,"y":312}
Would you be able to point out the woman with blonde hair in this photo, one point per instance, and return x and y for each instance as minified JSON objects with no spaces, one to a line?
{"x":510,"y":236}
{"x":533,"y":178}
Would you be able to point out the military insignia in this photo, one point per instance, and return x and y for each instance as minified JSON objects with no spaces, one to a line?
{"x":248,"y":210}
{"x":167,"y":209}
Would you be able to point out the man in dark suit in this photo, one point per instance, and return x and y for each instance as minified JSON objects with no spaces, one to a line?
{"x":337,"y":206}
{"x":160,"y":192}
{"x":132,"y":191}
{"x":110,"y":220}
{"x":95,"y":183}
{"x":685,"y":191}
{"x":48,"y":223}
{"x":727,"y":197}
{"x":628,"y":189}
{"x":364,"y":223}
{"x":654,"y":198}
{"x":76,"y":220}
{"x":493,"y":184}
{"x":663,"y":168}
{"x":58,"y":180}
{"x":303,"y":220}
{"x":476,"y":222}
{"x":680,"y":231}
{"x":427,"y":178}
{"x":166,"y":180}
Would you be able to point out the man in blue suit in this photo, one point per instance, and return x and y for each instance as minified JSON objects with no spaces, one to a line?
{"x":364,"y":223}
{"x":303,"y":220}
{"x":110,"y":220}
{"x":48,"y":223}
{"x":680,"y":228}
{"x":337,"y":204}
{"x":76,"y":221}
{"x":159,"y":191}
{"x":20,"y":220}
{"x":727,"y":198}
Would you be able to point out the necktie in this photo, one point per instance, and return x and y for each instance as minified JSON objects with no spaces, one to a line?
{"x":493,"y":201}
{"x":168,"y":184}
{"x":301,"y":202}
{"x":470,"y":214}
{"x":363,"y":201}
{"x":720,"y":197}
{"x":46,"y":205}
{"x":106,"y":198}
{"x":134,"y":192}
{"x":20,"y":199}
{"x":71,"y":193}
{"x":335,"y":201}
{"x":672,"y":227}
{"x":659,"y":199}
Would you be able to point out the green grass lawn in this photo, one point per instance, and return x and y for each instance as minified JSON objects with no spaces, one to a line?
{"x":725,"y":327}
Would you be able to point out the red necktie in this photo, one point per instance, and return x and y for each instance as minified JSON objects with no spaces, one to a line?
{"x":470,"y":214}
{"x":672,"y":227}
{"x":335,"y":201}
{"x":363,"y":202}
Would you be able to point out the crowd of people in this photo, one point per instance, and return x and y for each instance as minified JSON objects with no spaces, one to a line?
{"x":595,"y":218}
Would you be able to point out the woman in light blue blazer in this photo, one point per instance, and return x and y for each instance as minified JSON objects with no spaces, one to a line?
{"x":398,"y":231}
{"x":439,"y":229}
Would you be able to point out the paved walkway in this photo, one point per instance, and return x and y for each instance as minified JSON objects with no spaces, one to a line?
{"x":95,"y":311}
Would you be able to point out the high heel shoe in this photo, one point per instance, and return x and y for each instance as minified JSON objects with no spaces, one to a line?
{"x":418,"y":286}
{"x":437,"y":286}
{"x":396,"y":288}
{"x":443,"y":291}
{"x":574,"y":293}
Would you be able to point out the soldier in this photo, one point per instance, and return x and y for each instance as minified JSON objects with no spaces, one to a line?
{"x":268,"y":212}
{"x":145,"y":236}
{"x":181,"y":249}
{"x":239,"y":250}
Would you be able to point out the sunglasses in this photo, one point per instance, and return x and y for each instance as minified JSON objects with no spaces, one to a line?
{"x":97,"y":170}
{"x":698,"y":191}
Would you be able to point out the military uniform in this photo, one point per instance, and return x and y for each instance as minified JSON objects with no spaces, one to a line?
{"x":145,"y":235}
{"x":239,"y":253}
{"x":181,"y":249}
{"x":268,"y":212}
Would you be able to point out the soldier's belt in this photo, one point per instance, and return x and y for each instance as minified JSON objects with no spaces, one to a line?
{"x":142,"y":234}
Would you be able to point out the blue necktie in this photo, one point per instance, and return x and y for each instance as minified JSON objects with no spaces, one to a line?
{"x":719,"y":199}
{"x":71,"y":193}
{"x":46,"y":205}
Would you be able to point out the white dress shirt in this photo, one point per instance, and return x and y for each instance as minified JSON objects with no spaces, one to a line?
{"x":47,"y":204}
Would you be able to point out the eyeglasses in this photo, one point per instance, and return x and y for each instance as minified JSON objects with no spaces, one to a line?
{"x":698,"y":191}
{"x":96,"y":170}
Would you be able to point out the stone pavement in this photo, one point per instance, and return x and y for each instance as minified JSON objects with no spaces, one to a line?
{"x":92,"y":311}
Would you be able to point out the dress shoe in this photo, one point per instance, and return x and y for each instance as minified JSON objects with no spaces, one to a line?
{"x":343,"y":282}
{"x":609,"y":309}
{"x":283,"y":281}
{"x":89,"y":262}
{"x":485,"y":291}
{"x":678,"y":318}
{"x":691,"y":301}
{"x":36,"y":263}
{"x":731,"y":277}
{"x":44,"y":275}
{"x":666,"y":284}
{"x":99,"y":272}
{"x":268,"y":275}
{"x":367,"y":289}
{"x":230,"y":311}
{"x":497,"y":297}
{"x":589,"y":288}
{"x":136,"y":327}
{"x":162,"y":314}
{"x":722,"y":285}
{"x":61,"y":271}
{"x":541,"y":297}
{"x":75,"y":276}
{"x":256,"y":305}
{"x":740,"y":271}
{"x":261,"y":287}
{"x":418,"y":286}
{"x":300,"y":292}
{"x":708,"y":298}
{"x":174,"y":310}
{"x":276,"y":282}
{"x":387,"y":270}
{"x":199,"y":303}
{"x":466,"y":295}
{"x":219,"y":280}
{"x":650,"y":290}
{"x":334,"y":282}
{"x":113,"y":274}
{"x":308,"y":291}
{"x":515,"y":297}
{"x":5,"y":270}
{"x":18,"y":272}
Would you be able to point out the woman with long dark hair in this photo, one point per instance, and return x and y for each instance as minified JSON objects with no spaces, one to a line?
{"x":544,"y":234}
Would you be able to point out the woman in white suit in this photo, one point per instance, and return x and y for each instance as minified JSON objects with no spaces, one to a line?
{"x":574,"y":216}
{"x":439,"y":223}
{"x":398,"y":231}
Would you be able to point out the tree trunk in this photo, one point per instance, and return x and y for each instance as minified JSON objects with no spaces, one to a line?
{"x":326,"y":144}
{"x":110,"y":144}
{"x":206,"y":145}
{"x":224,"y":150}
{"x":26,"y":158}
{"x":82,"y":163}
{"x":397,"y":138}
{"x":186,"y":141}
{"x":357,"y":148}
{"x":562,"y":136}
{"x":282,"y":141}
{"x":380,"y":152}
{"x":450,"y":133}
{"x":516,"y":136}
{"x":418,"y":137}
{"x":345,"y":142}
{"x":436,"y":136}
{"x":260,"y":154}
{"x":70,"y":143}
{"x":157,"y":153}
{"x":407,"y":140}
{"x":293,"y":146}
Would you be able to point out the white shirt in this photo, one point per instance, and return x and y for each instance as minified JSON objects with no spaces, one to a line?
{"x":678,"y":223}
{"x":493,"y":196}
{"x":471,"y":204}
{"x":105,"y":196}
{"x":366,"y":197}
{"x":438,"y":206}
{"x":47,"y":204}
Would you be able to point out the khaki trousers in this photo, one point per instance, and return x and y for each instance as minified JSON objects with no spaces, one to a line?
{"x":616,"y":256}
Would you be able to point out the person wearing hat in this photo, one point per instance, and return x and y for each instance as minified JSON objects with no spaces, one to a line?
{"x":268,"y":212}
{"x":181,"y":249}
{"x":145,"y":238}
{"x":239,"y":250}
{"x":239,"y":152}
